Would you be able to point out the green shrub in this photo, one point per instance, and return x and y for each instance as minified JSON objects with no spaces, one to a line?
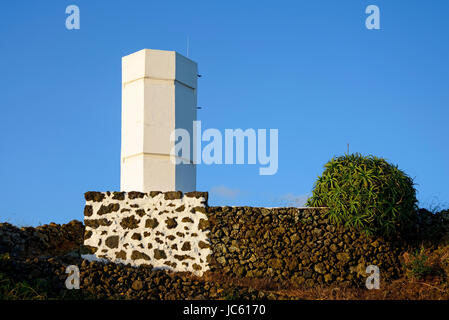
{"x":418,"y":267}
{"x":366,"y":193}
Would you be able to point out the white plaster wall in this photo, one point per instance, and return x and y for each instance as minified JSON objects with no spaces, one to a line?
{"x":158,"y":208}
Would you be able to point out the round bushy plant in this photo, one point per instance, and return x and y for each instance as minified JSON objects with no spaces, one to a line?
{"x":367,"y":193}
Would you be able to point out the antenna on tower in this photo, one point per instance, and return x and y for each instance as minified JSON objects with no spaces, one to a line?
{"x":188,"y":43}
{"x":348,"y":148}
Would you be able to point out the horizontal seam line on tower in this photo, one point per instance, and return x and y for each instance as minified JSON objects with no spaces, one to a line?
{"x":151,"y":78}
{"x":153,"y":154}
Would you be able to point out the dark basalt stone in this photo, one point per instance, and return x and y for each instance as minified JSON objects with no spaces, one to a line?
{"x":95,"y":223}
{"x":88,"y":211}
{"x":129,"y":223}
{"x":196,"y":267}
{"x":183,"y":257}
{"x":170,"y":264}
{"x":203,"y":245}
{"x":136,"y":255}
{"x":159,"y":254}
{"x":210,"y":259}
{"x":118,"y":196}
{"x":172,"y":195}
{"x":203,"y":224}
{"x":87,"y":234}
{"x":140,"y":212}
{"x":187,"y":219}
{"x":94,"y":196}
{"x":112,"y":242}
{"x":137,"y":285}
{"x":186,"y":246}
{"x":85,"y":249}
{"x":121,"y":255}
{"x":112,"y":207}
{"x":171,"y":223}
{"x":135,"y":195}
{"x":180,"y":208}
{"x":198,"y":209}
{"x":154,"y":193}
{"x":198,"y":194}
{"x":136,"y":236}
{"x":151,"y":223}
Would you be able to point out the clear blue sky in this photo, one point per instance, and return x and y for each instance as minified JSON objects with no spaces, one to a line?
{"x":308,"y":68}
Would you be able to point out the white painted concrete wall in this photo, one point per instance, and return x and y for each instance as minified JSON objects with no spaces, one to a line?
{"x":158,"y":95}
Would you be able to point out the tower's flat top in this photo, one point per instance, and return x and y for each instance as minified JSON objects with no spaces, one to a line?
{"x":161,"y":65}
{"x":160,"y":52}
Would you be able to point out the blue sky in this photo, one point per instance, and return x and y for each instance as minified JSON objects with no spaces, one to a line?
{"x":308,"y":68}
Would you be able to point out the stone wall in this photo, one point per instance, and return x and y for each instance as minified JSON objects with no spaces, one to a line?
{"x":181,"y":233}
{"x":298,"y":245}
{"x":163,"y":230}
{"x":46,"y":240}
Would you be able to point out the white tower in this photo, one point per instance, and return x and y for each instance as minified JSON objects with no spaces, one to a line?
{"x":158,"y":96}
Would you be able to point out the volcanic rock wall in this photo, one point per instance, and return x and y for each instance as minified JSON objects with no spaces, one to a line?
{"x":46,"y":240}
{"x":181,"y":233}
{"x":164,"y":230}
{"x":298,"y":245}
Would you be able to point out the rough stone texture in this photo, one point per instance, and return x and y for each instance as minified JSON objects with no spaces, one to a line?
{"x":198,"y":195}
{"x":113,"y":281}
{"x":295,"y":244}
{"x":112,"y":242}
{"x":44,"y":240}
{"x":172,"y":195}
{"x":129,"y":223}
{"x":112,"y":207}
{"x":181,"y":233}
{"x":157,"y":229}
{"x":94,"y":196}
{"x":43,"y":253}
